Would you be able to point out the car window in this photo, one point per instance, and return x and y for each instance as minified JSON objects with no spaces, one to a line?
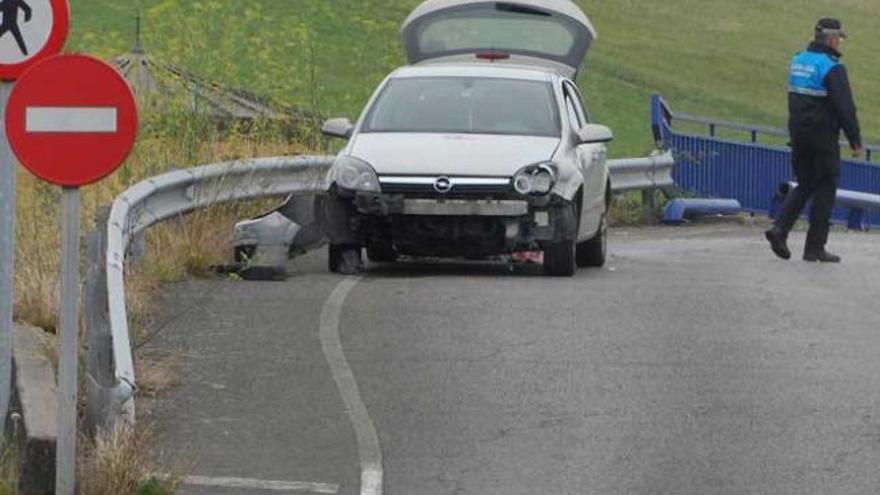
{"x":465,"y":105}
{"x":574,"y":95}
{"x":490,"y":26}
{"x":574,"y":119}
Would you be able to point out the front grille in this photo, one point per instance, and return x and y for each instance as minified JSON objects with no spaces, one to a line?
{"x":420,"y":186}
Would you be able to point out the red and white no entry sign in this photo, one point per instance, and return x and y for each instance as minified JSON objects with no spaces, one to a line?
{"x":72,"y":120}
{"x":30,"y":31}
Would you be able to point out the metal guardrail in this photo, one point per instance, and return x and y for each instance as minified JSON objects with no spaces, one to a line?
{"x":176,"y":193}
{"x":754,"y":130}
{"x":169,"y":196}
{"x":639,"y":174}
{"x":746,"y":170}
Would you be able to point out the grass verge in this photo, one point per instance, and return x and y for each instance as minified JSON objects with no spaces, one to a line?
{"x":120,"y":461}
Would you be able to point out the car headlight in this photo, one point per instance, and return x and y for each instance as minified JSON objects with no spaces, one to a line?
{"x":537,"y":179}
{"x":354,"y":174}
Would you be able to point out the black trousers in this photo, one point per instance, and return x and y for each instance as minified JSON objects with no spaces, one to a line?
{"x":818,"y":175}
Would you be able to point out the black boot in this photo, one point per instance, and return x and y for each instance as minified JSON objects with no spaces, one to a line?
{"x":821,"y":257}
{"x":778,"y":243}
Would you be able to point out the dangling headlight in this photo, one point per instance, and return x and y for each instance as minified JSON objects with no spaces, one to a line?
{"x":536,"y":179}
{"x":353,"y":174}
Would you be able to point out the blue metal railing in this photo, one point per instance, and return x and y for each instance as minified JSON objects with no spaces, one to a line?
{"x":748,"y":171}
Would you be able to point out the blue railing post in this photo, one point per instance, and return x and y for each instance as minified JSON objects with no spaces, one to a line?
{"x":856,"y":220}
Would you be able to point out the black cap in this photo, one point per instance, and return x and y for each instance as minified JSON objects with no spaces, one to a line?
{"x":830,"y":27}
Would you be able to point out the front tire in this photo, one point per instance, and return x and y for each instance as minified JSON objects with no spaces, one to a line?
{"x":345,"y":259}
{"x":559,"y":259}
{"x":594,"y":253}
{"x":381,"y":253}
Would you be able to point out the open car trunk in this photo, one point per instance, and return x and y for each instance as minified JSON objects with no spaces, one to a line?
{"x":550,"y":34}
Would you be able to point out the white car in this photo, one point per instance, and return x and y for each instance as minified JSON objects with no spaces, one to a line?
{"x":482,"y":146}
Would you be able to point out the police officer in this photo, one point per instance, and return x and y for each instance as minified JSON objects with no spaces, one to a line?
{"x":820,"y":105}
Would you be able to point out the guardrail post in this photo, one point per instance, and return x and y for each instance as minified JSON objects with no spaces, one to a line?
{"x":649,"y":203}
{"x":98,"y":341}
{"x":856,"y":220}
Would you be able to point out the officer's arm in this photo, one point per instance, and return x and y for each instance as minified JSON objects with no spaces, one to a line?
{"x":841,"y":96}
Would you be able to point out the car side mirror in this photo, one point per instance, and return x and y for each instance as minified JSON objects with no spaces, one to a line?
{"x":595,"y":134}
{"x":339,"y":128}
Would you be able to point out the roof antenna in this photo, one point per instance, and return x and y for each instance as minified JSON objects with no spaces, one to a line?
{"x":138,"y":46}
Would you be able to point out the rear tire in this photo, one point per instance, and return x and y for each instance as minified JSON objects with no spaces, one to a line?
{"x":593,"y":253}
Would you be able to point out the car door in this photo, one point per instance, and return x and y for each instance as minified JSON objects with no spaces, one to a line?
{"x":591,"y":160}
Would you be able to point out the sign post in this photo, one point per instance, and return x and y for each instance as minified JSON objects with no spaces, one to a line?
{"x":31,"y":32}
{"x":71,"y":120}
{"x":7,"y":256}
{"x":65,"y":475}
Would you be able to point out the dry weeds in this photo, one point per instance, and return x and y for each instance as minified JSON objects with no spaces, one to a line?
{"x":120,"y":462}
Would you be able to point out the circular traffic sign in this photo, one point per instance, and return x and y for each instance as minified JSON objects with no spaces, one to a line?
{"x":30,"y":31}
{"x":72,"y":120}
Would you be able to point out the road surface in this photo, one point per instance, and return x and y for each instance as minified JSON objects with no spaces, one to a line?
{"x":695,"y":363}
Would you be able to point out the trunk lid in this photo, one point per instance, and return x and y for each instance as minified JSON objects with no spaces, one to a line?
{"x":550,"y":34}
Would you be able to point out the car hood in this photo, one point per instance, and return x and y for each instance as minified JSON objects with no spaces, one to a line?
{"x":451,"y":154}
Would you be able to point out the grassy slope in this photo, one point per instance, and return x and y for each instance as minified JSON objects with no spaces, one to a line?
{"x":716,"y":57}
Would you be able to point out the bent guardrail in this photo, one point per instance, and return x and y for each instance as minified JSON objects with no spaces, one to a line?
{"x":169,"y":196}
{"x":111,"y":377}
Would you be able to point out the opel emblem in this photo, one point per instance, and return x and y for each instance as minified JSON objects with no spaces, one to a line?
{"x":443,"y":185}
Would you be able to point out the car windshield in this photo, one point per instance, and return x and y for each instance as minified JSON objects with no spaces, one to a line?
{"x":467,"y":105}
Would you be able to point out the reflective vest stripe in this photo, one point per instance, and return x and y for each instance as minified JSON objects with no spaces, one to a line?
{"x":808,"y":92}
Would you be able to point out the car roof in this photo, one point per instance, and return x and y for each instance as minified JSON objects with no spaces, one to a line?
{"x":527,"y":73}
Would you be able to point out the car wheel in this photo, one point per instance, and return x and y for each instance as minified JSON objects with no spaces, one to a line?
{"x":345,"y":259}
{"x":559,"y":259}
{"x":594,"y":252}
{"x":381,"y":253}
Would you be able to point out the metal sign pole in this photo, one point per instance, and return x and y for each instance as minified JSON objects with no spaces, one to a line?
{"x":7,"y":253}
{"x":65,"y":477}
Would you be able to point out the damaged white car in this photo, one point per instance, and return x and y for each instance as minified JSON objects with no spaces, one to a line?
{"x":482,"y":146}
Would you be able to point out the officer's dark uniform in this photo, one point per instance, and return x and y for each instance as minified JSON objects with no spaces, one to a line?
{"x":820,"y":105}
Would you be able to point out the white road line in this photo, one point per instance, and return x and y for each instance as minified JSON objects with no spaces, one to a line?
{"x":71,"y":119}
{"x":369,"y":453}
{"x":267,"y":485}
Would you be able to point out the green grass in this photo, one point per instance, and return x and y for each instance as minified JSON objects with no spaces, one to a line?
{"x":714,"y":57}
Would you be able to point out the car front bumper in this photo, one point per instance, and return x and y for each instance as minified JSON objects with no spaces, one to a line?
{"x":449,"y":227}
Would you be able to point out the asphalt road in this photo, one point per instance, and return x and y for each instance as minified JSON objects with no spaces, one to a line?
{"x":695,"y":363}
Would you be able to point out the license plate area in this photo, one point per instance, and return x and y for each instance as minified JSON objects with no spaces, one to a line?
{"x":460,"y":207}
